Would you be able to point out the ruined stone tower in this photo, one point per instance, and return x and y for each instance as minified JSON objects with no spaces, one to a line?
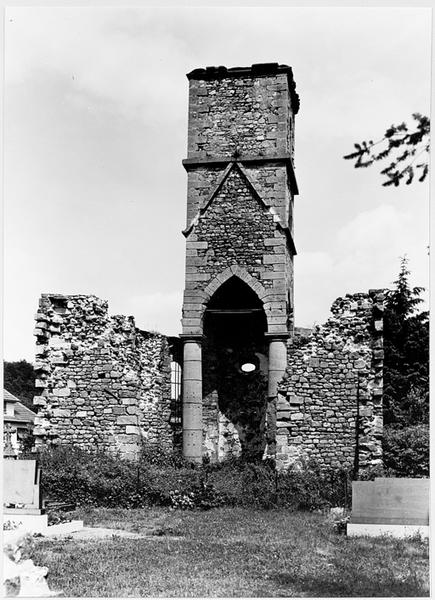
{"x":238,"y":298}
{"x":252,"y":383}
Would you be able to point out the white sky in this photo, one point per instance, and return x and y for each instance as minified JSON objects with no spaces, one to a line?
{"x":96,"y":128}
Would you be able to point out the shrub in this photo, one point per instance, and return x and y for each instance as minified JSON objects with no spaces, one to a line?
{"x":309,"y":487}
{"x":70,"y":474}
{"x":239,"y":483}
{"x":306,"y":487}
{"x":94,"y":478}
{"x":406,"y":451}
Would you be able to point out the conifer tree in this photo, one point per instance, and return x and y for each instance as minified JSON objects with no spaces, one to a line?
{"x":406,"y":362}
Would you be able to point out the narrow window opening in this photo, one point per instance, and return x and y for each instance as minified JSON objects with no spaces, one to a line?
{"x":176,"y":400}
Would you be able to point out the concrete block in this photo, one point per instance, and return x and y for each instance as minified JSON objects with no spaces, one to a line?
{"x":379,"y":529}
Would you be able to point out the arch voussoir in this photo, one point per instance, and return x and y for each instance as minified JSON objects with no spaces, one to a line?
{"x":233,"y":271}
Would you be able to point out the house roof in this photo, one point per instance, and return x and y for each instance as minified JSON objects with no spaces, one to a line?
{"x":9,"y":397}
{"x":22,"y":414}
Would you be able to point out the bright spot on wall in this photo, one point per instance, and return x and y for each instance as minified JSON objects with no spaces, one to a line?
{"x":248,"y":367}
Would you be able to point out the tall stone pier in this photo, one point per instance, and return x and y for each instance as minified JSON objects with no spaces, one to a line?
{"x":238,"y":297}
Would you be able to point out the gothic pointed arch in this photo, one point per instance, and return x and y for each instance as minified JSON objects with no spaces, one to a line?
{"x":263,"y":294}
{"x":233,"y":271}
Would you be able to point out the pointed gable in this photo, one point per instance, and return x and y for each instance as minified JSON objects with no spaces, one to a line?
{"x":234,"y":169}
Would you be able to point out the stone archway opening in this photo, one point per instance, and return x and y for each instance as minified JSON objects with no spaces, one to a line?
{"x":234,"y":372}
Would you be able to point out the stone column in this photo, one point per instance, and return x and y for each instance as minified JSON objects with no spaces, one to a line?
{"x":192,"y":399}
{"x":277,"y":362}
{"x":277,"y":367}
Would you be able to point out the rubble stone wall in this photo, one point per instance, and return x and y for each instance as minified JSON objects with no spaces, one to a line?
{"x":247,"y":113}
{"x":330,"y":401}
{"x":240,"y":188}
{"x":102,"y":382}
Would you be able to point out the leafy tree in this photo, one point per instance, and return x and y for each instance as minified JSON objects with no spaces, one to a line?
{"x":406,"y":362}
{"x":404,"y":146}
{"x":19,"y":380}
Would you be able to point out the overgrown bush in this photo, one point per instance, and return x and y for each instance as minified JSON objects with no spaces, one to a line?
{"x":311,"y":487}
{"x":406,"y":451}
{"x":244,"y":484}
{"x":305,"y":487}
{"x":70,"y":474}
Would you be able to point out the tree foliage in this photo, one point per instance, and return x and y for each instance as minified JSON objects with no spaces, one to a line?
{"x":407,"y":147}
{"x":406,"y":451}
{"x":19,"y":380}
{"x":406,"y":362}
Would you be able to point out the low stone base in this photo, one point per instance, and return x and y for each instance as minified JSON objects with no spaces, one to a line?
{"x":36,"y":524}
{"x":377,"y":529}
{"x":25,"y":522}
{"x":62,"y":528}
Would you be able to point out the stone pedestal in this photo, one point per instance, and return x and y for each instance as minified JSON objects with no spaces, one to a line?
{"x":192,"y":400}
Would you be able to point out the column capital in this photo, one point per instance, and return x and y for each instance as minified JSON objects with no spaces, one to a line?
{"x":191,"y":337}
{"x":277,"y":336}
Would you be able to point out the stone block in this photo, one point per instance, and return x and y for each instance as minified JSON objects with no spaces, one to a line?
{"x":197,"y":277}
{"x":126,"y":420}
{"x":273,"y":275}
{"x":282,"y":403}
{"x":129,"y":401}
{"x":61,"y":412}
{"x":132,"y":429}
{"x":39,"y":401}
{"x":365,"y":411}
{"x":196,"y":245}
{"x":62,"y":392}
{"x":275,"y":241}
{"x":273,"y":259}
{"x":59,"y":343}
{"x":293,"y":399}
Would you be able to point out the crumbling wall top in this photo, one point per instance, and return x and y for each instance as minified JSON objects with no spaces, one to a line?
{"x":255,"y":70}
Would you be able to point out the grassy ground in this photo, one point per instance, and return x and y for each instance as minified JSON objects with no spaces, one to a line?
{"x":231,"y":552}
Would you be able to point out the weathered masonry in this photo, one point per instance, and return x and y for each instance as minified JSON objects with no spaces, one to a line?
{"x":238,"y":330}
{"x":238,"y":298}
{"x":102,"y":382}
{"x":252,"y":383}
{"x":330,"y":399}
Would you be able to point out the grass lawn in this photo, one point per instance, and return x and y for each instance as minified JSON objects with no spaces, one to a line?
{"x":231,"y":552}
